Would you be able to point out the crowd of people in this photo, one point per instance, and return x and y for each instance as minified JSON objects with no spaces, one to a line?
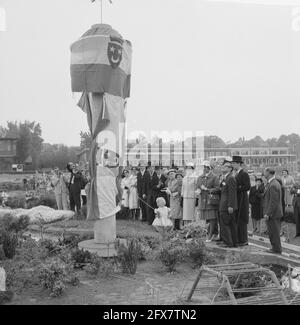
{"x":69,"y":186}
{"x":170,"y":198}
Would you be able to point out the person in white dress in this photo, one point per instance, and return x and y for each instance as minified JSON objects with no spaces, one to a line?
{"x":125,"y":185}
{"x":133,"y":196}
{"x":162,"y":221}
{"x":188,"y":192}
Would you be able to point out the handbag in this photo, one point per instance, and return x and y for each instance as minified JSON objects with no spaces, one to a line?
{"x":213,"y":199}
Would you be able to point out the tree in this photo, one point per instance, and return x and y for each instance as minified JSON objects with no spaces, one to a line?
{"x":29,"y":140}
{"x":85,"y":140}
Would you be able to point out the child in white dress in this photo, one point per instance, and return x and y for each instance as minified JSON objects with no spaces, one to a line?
{"x":162,"y":221}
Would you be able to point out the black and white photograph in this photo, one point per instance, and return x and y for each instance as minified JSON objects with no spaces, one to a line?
{"x":149,"y":155}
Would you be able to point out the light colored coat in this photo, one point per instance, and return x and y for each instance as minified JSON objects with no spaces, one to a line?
{"x":288,"y":183}
{"x":125,"y":196}
{"x":189,"y":185}
{"x":133,"y":196}
{"x":176,"y":211}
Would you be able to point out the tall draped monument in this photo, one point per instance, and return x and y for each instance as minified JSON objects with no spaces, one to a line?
{"x":101,"y":72}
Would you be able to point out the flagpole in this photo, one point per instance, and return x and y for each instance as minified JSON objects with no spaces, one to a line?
{"x":101,"y":10}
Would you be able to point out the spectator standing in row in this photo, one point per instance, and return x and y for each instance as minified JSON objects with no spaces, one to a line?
{"x":273,"y":210}
{"x":208,"y":188}
{"x":174,"y":191}
{"x":287,"y":183}
{"x":150,"y":192}
{"x":125,"y":185}
{"x":256,"y":201}
{"x":162,"y":185}
{"x":75,"y":186}
{"x":141,"y":183}
{"x":228,"y":207}
{"x":59,"y":184}
{"x":296,"y":206}
{"x":243,"y":186}
{"x":133,"y":196}
{"x":188,"y":192}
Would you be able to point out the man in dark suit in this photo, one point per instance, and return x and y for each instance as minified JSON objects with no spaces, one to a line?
{"x":296,"y":205}
{"x":228,"y":207}
{"x":243,"y":186}
{"x":273,"y":210}
{"x":150,"y":193}
{"x":141,"y":183}
{"x":162,"y":185}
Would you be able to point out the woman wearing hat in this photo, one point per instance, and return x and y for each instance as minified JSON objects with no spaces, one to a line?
{"x":125,"y":185}
{"x":256,"y":201}
{"x":188,"y":192}
{"x":208,"y":189}
{"x":133,"y":196}
{"x":174,"y":190}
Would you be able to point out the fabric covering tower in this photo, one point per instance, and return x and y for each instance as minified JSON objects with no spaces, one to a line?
{"x":101,"y":72}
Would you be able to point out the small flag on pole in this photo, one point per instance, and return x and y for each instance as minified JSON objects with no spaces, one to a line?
{"x":110,"y":1}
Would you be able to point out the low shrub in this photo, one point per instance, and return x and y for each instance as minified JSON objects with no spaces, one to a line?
{"x":11,"y":223}
{"x":128,"y":255}
{"x":31,"y":252}
{"x":11,"y":186}
{"x":16,"y":202}
{"x":108,"y":266}
{"x":93,"y":264}
{"x":51,"y":246}
{"x":192,"y":230}
{"x":170,"y":254}
{"x":80,"y":257}
{"x":9,"y":243}
{"x":52,"y":276}
{"x":196,"y":251}
{"x":45,"y":200}
{"x":71,"y":240}
{"x":19,"y":275}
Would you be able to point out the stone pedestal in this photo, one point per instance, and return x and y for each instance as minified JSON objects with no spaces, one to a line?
{"x":104,"y":238}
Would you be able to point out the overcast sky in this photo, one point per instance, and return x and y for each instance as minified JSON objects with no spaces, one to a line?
{"x":226,"y":68}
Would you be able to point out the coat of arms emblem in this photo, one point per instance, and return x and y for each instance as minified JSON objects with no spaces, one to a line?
{"x":114,"y":51}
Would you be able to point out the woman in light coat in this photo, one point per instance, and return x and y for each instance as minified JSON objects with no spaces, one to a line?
{"x":174,"y":190}
{"x":133,"y":201}
{"x":287,"y":182}
{"x":125,"y":185}
{"x":59,"y":183}
{"x":188,"y":193}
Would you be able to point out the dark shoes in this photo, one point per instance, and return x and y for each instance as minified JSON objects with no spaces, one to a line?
{"x":243,"y":244}
{"x":297,"y":235}
{"x":223,"y":245}
{"x":273,"y":252}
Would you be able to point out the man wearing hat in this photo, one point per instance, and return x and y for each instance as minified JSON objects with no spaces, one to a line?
{"x":141,"y":183}
{"x":150,"y":192}
{"x":228,"y":207}
{"x":243,"y":186}
{"x":273,"y":210}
